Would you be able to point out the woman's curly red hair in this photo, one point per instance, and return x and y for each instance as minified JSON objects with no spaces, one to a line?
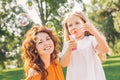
{"x":30,"y":55}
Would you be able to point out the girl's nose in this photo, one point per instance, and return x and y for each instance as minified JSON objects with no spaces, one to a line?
{"x":74,"y":31}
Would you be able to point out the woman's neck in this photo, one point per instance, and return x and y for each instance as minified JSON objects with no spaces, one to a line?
{"x":46,"y":60}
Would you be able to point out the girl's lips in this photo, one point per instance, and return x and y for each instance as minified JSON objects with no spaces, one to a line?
{"x":74,"y":31}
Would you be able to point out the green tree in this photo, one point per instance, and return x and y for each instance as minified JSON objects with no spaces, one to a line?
{"x":10,"y":32}
{"x":105,"y":15}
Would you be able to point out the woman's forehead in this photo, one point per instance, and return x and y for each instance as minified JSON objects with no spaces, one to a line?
{"x":42,"y":35}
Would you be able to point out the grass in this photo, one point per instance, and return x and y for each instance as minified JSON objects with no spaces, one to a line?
{"x":111,"y":68}
{"x":12,"y":74}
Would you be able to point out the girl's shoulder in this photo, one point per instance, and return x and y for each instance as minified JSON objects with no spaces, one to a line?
{"x":90,"y":38}
{"x":87,"y":38}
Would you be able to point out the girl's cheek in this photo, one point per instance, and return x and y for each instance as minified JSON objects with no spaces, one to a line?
{"x":82,"y":30}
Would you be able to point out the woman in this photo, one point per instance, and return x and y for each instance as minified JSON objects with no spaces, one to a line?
{"x":40,"y":55}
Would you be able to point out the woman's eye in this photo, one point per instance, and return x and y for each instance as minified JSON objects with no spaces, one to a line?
{"x":40,"y":42}
{"x":48,"y":39}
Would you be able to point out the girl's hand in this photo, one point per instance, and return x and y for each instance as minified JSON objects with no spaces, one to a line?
{"x":71,"y":45}
{"x":88,"y":27}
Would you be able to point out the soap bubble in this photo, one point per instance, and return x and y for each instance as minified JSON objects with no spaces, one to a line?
{"x":60,"y":34}
{"x":50,"y":25}
{"x":22,"y":19}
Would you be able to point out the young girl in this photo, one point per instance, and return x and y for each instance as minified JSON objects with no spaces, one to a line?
{"x":81,"y":55}
{"x":40,"y":55}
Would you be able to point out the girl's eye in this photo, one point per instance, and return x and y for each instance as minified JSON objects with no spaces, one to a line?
{"x":70,"y":25}
{"x":77,"y":23}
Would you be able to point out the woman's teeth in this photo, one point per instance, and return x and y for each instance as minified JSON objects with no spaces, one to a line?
{"x":47,"y":48}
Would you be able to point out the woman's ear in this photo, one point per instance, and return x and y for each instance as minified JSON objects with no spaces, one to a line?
{"x":35,"y":51}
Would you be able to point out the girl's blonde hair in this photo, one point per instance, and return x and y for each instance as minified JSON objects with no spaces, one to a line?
{"x":82,"y":16}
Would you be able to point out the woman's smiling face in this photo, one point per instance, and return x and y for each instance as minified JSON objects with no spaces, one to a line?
{"x":44,"y":43}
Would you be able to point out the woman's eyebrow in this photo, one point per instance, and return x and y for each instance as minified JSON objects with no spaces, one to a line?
{"x":47,"y":36}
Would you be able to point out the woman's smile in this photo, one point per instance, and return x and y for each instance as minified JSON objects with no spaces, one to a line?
{"x":47,"y":48}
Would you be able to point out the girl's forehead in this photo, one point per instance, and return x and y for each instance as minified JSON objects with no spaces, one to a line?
{"x":74,"y":18}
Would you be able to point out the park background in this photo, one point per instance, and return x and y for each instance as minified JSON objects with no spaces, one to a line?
{"x":17,"y":16}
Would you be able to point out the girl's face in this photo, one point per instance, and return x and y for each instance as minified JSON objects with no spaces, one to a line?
{"x":44,"y":43}
{"x":75,"y":24}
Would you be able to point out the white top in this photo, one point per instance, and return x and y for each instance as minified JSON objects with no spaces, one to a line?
{"x":84,"y":63}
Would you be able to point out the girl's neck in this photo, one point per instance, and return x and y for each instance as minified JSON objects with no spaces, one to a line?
{"x":46,"y":60}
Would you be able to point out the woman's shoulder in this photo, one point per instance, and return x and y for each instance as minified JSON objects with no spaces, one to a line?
{"x":32,"y":73}
{"x":57,"y":63}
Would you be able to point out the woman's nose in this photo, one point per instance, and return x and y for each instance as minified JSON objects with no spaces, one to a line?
{"x":74,"y":26}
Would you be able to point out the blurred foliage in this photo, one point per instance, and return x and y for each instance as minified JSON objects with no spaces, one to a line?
{"x":10,"y":33}
{"x":105,"y":16}
{"x":116,"y":19}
